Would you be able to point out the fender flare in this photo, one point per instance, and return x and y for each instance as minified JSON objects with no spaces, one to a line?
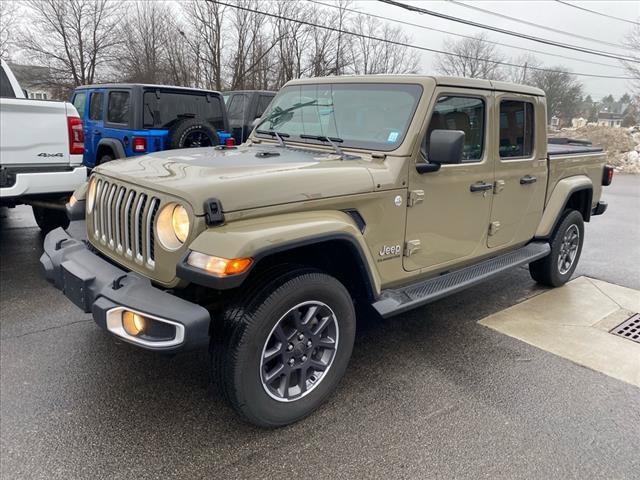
{"x":558,"y":201}
{"x":260,"y":238}
{"x":115,"y":146}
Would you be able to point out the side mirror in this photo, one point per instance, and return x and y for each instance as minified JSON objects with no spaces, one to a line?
{"x":445,"y":147}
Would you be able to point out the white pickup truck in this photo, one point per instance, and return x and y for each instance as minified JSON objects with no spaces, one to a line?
{"x":41,"y":147}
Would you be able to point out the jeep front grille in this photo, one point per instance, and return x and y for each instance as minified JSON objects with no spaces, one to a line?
{"x":123,"y":221}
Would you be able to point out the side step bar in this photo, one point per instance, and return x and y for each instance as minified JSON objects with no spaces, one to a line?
{"x":395,"y":301}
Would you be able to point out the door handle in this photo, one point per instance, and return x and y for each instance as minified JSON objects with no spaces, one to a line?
{"x":528,"y":179}
{"x":97,"y":132}
{"x":481,"y":187}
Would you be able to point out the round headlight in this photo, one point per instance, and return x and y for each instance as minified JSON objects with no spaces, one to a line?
{"x":173,"y":226}
{"x":91,"y":194}
{"x":180,"y":221}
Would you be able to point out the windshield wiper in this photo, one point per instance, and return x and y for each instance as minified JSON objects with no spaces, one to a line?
{"x":278,"y":112}
{"x":333,"y":142}
{"x":273,"y":133}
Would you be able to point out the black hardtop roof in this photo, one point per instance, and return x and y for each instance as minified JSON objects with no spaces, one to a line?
{"x":270,"y":92}
{"x":145,"y":85}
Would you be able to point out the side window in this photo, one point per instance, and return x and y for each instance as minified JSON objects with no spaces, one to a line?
{"x":263,"y":103}
{"x":95,"y":106}
{"x":460,"y":113}
{"x":118,"y":108}
{"x":79,"y":102}
{"x":6,"y":90}
{"x":237,"y":107}
{"x":516,"y":129}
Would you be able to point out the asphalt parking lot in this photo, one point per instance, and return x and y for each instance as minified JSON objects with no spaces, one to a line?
{"x":430,"y":394}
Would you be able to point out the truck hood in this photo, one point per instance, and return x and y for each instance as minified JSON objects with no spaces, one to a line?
{"x":246,"y":177}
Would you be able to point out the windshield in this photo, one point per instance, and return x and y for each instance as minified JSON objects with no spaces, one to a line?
{"x":361,"y":115}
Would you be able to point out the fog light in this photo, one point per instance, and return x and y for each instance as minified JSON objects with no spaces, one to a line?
{"x":133,"y":323}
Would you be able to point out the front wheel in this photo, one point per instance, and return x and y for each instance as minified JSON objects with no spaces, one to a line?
{"x":556,"y":268}
{"x":49,"y":219}
{"x":285,"y":352}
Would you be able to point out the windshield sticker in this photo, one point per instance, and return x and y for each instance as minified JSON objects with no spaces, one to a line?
{"x":393,"y":136}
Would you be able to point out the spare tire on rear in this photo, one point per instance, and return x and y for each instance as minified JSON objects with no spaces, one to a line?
{"x":192,"y":133}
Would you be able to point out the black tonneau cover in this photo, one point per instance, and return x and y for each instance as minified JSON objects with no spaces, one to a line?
{"x":569,"y":149}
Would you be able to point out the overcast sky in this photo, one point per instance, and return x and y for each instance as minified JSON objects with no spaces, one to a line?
{"x":548,"y":13}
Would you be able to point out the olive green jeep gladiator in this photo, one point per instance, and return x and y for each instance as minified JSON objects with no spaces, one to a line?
{"x":352,"y":194}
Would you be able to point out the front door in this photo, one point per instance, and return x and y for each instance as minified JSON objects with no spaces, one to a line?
{"x":521,"y":170}
{"x":447,"y":222}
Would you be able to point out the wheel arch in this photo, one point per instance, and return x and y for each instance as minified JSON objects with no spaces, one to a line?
{"x":328,"y":241}
{"x":575,"y":193}
{"x":111,"y":144}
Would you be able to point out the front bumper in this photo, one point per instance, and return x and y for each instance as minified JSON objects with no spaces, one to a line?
{"x":97,"y":286}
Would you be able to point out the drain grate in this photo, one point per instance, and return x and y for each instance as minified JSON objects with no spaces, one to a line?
{"x":630,"y":328}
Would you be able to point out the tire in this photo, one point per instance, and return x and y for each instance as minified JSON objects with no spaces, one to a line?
{"x":192,"y":133}
{"x":549,"y":270}
{"x":104,"y":158}
{"x":250,"y":332}
{"x":49,"y":219}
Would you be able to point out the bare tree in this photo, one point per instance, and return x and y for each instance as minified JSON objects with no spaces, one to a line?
{"x":387,"y":55}
{"x":8,"y":17}
{"x":205,"y":37}
{"x":74,"y":38}
{"x":633,"y":68}
{"x":143,"y":56}
{"x":563,"y":92}
{"x":522,"y":74}
{"x":471,"y":57}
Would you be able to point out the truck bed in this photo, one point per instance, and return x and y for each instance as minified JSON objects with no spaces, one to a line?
{"x":554,"y":149}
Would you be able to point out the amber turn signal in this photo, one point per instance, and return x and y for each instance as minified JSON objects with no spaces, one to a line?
{"x":217,"y":265}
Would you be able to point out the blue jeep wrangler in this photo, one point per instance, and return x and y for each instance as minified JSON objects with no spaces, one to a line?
{"x":124,"y":120}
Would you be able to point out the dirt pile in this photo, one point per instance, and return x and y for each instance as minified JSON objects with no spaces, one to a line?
{"x":621,"y":144}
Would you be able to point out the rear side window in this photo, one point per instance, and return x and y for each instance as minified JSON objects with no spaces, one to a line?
{"x":6,"y":90}
{"x":95,"y":106}
{"x":460,"y":113}
{"x":118,"y":109}
{"x":263,"y":103}
{"x":79,"y":101}
{"x":516,"y":129}
{"x":237,"y":107}
{"x":163,"y":108}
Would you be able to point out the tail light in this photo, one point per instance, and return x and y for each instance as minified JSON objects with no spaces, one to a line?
{"x":607,"y":175}
{"x":230,"y":142}
{"x":76,"y":136}
{"x":139,"y":144}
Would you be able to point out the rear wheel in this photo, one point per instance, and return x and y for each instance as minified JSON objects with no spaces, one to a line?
{"x":104,"y":158}
{"x":284,"y":353}
{"x":556,"y":268}
{"x":49,"y":219}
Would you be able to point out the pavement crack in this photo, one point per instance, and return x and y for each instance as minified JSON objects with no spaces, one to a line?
{"x":33,"y":332}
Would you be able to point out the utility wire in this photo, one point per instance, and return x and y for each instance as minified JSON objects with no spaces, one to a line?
{"x":507,"y":32}
{"x":393,"y":42}
{"x":597,"y":13}
{"x":536,"y":25}
{"x":424,"y":27}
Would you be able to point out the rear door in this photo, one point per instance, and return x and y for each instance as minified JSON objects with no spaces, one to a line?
{"x":94,"y":125}
{"x":520,"y":170}
{"x":449,"y":225}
